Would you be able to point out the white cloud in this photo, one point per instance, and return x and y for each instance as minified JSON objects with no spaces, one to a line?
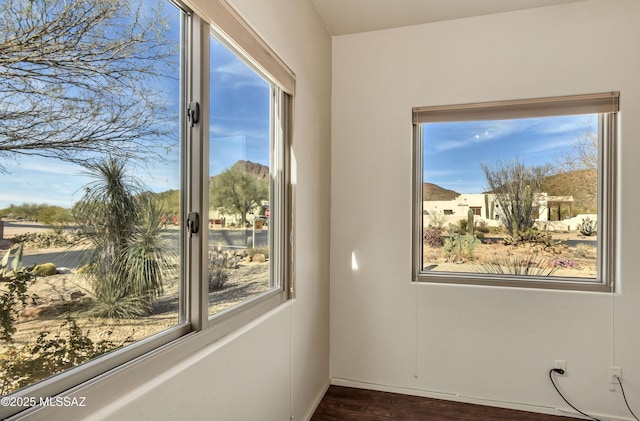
{"x":41,"y":165}
{"x":573,"y":125}
{"x":237,"y":75}
{"x":465,"y":134}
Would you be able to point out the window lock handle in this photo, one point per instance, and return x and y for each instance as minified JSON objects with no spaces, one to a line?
{"x":193,"y":223}
{"x":193,"y":113}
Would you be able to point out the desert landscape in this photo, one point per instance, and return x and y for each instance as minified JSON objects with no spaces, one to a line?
{"x":55,"y":298}
{"x":573,"y":255}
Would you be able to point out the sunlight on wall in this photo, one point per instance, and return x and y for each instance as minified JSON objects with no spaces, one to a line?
{"x":354,"y":262}
{"x":294,"y":168}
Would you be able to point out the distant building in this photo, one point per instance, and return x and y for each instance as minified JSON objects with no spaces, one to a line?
{"x":549,"y":212}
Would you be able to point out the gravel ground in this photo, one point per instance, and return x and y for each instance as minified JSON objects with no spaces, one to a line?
{"x":247,"y":281}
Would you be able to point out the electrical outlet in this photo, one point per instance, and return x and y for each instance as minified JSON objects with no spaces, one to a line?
{"x":614,"y":374}
{"x":561,"y":365}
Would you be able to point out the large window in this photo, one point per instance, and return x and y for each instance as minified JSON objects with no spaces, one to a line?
{"x":145,"y":184}
{"x":516,"y":193}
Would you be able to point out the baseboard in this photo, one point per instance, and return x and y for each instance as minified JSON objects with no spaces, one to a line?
{"x":317,"y":400}
{"x":337,"y":381}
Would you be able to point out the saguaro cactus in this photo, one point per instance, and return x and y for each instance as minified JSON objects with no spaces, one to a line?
{"x":514,"y":218}
{"x":486,"y":206}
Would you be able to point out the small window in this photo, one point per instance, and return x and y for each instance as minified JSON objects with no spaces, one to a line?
{"x":536,"y":181}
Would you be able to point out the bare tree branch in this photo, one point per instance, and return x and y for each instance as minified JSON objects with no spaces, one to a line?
{"x":583,"y":152}
{"x":514,"y":185}
{"x":83,"y":77}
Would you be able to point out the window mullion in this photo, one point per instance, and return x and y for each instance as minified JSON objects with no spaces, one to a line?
{"x":607,"y":197}
{"x":198,"y":187}
{"x":417,"y":200}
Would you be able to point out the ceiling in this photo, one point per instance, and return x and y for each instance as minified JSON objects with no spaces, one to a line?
{"x":352,"y":16}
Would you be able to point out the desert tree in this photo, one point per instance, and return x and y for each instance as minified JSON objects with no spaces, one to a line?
{"x":55,"y":216}
{"x":580,"y":159}
{"x":28,"y":211}
{"x":582,"y":153}
{"x":81,"y":77}
{"x":514,"y":186}
{"x":238,"y":191}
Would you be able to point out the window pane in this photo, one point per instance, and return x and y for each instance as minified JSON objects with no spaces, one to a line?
{"x":90,"y":174}
{"x":512,"y":197}
{"x":239,"y":188}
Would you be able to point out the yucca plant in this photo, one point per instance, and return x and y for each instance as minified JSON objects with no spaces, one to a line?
{"x":145,"y":258}
{"x":128,"y":260}
{"x":526,"y":265}
{"x":112,"y":302}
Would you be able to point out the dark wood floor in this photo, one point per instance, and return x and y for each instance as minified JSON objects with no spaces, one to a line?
{"x":346,"y":404}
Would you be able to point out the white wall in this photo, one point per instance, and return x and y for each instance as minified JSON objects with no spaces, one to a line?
{"x":277,"y":366}
{"x":297,"y":34}
{"x":481,"y":344}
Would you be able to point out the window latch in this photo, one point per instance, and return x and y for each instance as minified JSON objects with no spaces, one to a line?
{"x":193,"y":223}
{"x":193,"y":113}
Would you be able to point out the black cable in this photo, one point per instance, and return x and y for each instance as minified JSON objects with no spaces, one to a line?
{"x":625,"y":398}
{"x":559,"y":393}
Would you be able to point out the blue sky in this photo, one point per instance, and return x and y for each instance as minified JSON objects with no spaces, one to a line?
{"x":453,"y":151}
{"x":239,"y":129}
{"x":240,"y":101}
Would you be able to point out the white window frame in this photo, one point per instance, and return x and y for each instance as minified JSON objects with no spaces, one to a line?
{"x":606,"y":105}
{"x":195,"y":328}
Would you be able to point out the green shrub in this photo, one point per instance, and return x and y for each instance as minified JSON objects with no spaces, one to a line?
{"x":587,"y":227}
{"x":218,"y":276}
{"x":258,"y":250}
{"x":461,"y":227}
{"x":531,"y":236}
{"x":496,"y":230}
{"x":436,"y":220}
{"x":218,"y":273}
{"x":481,"y":226}
{"x":14,"y":279}
{"x":26,"y":364}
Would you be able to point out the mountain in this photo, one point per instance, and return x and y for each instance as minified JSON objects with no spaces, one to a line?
{"x":434,"y":192}
{"x":260,"y":171}
{"x":580,"y":184}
